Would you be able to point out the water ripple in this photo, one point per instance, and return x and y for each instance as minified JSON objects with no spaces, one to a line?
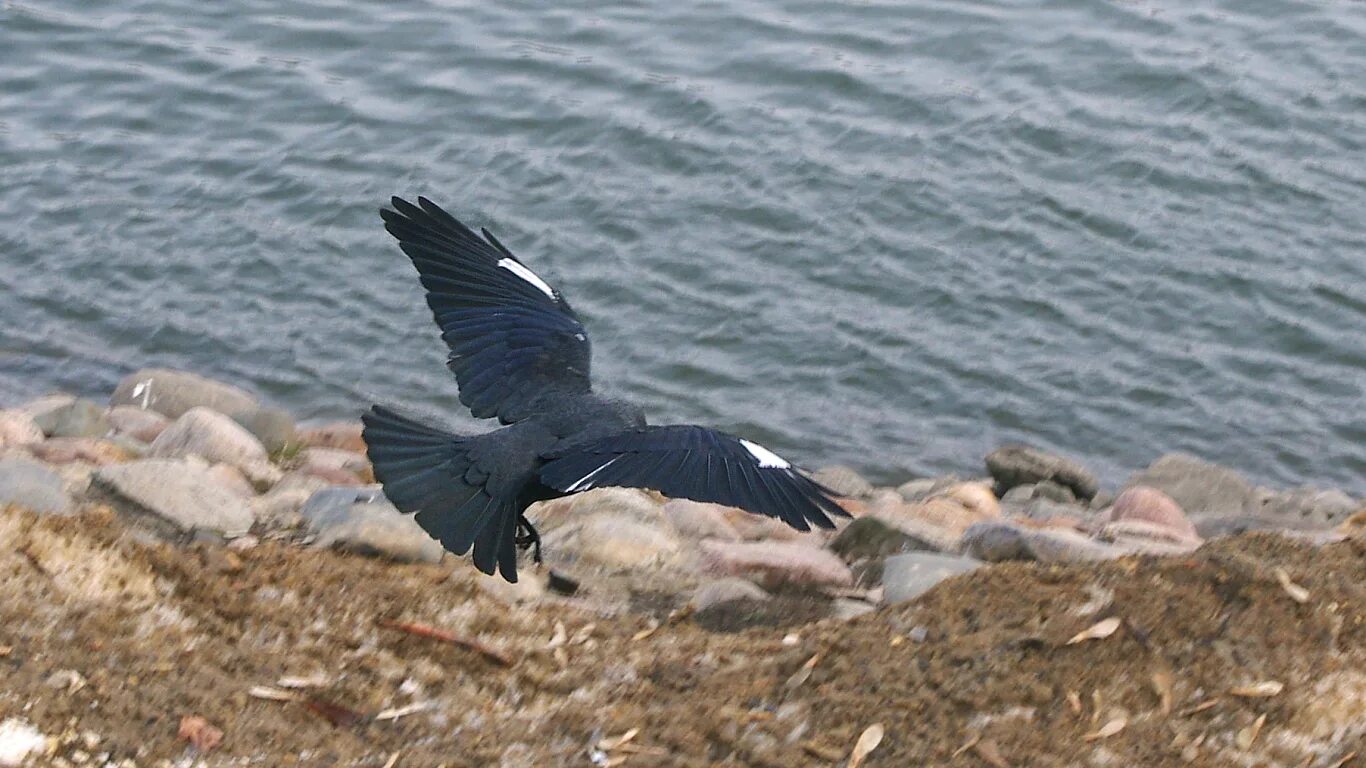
{"x":889,"y":234}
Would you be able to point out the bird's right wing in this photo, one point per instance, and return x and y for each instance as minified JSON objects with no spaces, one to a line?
{"x":695,"y":463}
{"x":513,"y":338}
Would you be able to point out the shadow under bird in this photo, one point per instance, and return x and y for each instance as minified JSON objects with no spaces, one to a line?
{"x":520,"y":354}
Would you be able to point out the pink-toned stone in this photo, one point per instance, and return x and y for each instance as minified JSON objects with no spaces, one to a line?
{"x":90,"y":450}
{"x":334,"y":458}
{"x":977,"y":498}
{"x":341,"y":434}
{"x":627,"y":502}
{"x":945,"y":513}
{"x":332,"y":476}
{"x":1149,"y":504}
{"x":17,"y":428}
{"x":139,"y":423}
{"x":775,"y":563}
{"x":698,"y":520}
{"x":1143,"y":529}
{"x":752,"y":527}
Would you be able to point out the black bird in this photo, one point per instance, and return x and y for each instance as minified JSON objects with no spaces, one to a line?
{"x":519,"y":354}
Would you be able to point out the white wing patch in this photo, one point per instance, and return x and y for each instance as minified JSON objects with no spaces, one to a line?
{"x":583,"y":484}
{"x":521,"y":271}
{"x":767,"y":459}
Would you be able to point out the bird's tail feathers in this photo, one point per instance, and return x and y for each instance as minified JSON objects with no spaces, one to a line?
{"x":427,"y":472}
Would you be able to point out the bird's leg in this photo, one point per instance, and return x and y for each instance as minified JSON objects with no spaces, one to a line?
{"x":527,"y":536}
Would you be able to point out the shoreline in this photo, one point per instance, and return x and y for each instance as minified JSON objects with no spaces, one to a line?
{"x":196,"y":578}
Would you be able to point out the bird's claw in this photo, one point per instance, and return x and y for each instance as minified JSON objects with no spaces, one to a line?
{"x":527,"y":537}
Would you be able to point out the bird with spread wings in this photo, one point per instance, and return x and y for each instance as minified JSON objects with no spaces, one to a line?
{"x":520,"y":354}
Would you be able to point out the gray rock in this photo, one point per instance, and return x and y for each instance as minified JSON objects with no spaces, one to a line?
{"x":172,"y":393}
{"x":78,"y":418}
{"x":279,"y":509}
{"x":995,"y":542}
{"x":1000,"y":541}
{"x":844,"y":481}
{"x":139,"y":424}
{"x":1203,"y":490}
{"x":1013,"y":465}
{"x":1045,"y":489}
{"x":1043,"y":509}
{"x":906,"y":577}
{"x":362,"y":521}
{"x":274,"y":427}
{"x":211,"y":435}
{"x":869,"y":538}
{"x":726,"y":590}
{"x":1307,"y":507}
{"x":180,"y":493}
{"x":32,"y":485}
{"x":36,"y":409}
{"x":1060,"y":545}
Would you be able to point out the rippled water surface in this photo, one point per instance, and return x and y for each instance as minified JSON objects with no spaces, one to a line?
{"x":889,"y":234}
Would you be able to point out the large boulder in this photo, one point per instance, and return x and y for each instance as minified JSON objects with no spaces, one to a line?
{"x":1203,"y":490}
{"x":1152,"y":506}
{"x":616,"y":541}
{"x":173,"y":393}
{"x":178,"y":493}
{"x":31,"y":485}
{"x":139,"y":424}
{"x":362,"y":521}
{"x":1013,"y":465}
{"x":78,"y":418}
{"x":36,"y":409}
{"x":906,"y":577}
{"x":624,"y":502}
{"x":274,"y":427}
{"x":211,"y":435}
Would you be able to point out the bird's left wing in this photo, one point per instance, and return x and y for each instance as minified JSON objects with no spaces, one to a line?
{"x":513,"y":338}
{"x":695,"y":463}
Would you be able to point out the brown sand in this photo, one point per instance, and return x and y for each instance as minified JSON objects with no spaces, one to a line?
{"x":976,"y":673}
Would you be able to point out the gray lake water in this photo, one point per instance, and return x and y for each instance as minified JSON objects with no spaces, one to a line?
{"x":890,"y":234}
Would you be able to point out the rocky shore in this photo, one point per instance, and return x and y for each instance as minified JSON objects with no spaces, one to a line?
{"x":119,"y":518}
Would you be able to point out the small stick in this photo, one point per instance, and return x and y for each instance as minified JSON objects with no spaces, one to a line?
{"x":446,"y":636}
